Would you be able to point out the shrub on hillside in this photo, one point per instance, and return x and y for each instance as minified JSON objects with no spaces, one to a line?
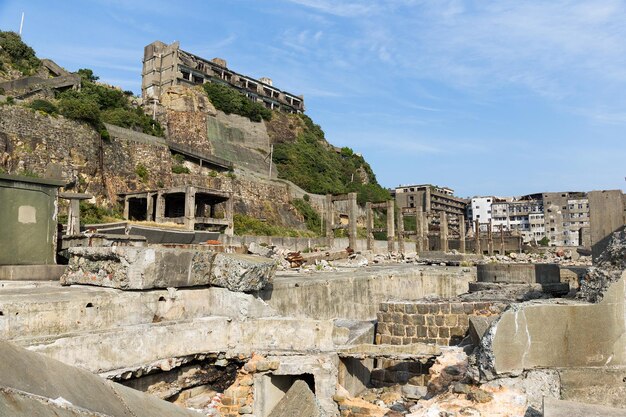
{"x":21,"y":56}
{"x":315,"y":166}
{"x":98,"y":104}
{"x":311,"y":217}
{"x":44,"y":106}
{"x":229,"y":100}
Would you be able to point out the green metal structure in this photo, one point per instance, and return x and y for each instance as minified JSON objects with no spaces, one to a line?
{"x":28,"y":220}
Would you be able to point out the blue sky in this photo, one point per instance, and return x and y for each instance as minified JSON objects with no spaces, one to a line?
{"x":501,"y":97}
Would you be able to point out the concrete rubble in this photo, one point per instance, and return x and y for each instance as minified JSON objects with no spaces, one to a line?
{"x":341,"y":334}
{"x":141,"y":268}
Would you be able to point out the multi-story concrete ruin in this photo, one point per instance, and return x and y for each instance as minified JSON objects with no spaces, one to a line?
{"x":168,"y":65}
{"x":562,"y":217}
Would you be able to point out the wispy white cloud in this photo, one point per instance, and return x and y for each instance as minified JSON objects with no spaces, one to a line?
{"x":340,"y":8}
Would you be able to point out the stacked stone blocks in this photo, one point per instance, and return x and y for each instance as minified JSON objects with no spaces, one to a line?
{"x":444,"y":323}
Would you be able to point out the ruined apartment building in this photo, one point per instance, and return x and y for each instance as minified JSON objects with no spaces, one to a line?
{"x":562,"y":217}
{"x":523,"y":214}
{"x":168,"y":65}
{"x":566,"y":217}
{"x":431,"y":199}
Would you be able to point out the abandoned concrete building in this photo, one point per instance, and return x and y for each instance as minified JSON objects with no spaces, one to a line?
{"x":431,"y":199}
{"x":196,"y":208}
{"x":561,"y":217}
{"x":168,"y":65}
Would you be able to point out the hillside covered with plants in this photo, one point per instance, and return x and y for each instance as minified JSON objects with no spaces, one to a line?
{"x":302,"y":154}
{"x":318,"y":167}
{"x":94,"y":103}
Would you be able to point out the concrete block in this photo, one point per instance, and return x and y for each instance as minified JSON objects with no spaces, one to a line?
{"x":136,"y":268}
{"x":298,"y":401}
{"x":561,"y":408}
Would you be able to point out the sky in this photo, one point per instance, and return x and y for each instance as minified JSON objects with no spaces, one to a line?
{"x":503,"y":97}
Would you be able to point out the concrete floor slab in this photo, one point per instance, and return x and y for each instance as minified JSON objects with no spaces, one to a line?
{"x":561,"y":408}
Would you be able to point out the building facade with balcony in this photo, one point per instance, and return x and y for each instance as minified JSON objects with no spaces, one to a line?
{"x":168,"y":65}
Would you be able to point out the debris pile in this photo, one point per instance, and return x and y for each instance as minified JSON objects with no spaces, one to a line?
{"x":607,"y":269}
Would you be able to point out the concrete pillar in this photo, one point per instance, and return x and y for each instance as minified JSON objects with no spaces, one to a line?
{"x":230,"y":229}
{"x":489,"y":239}
{"x":400,"y":231}
{"x":477,"y":238}
{"x":391,"y":229}
{"x":462,"y":234}
{"x":73,"y":217}
{"x":126,"y":207}
{"x":160,"y":208}
{"x":149,"y":207}
{"x":443,"y":231}
{"x":427,"y":201}
{"x":190,"y":207}
{"x":419,"y":230}
{"x":352,"y":218}
{"x":502,"y":247}
{"x":330,"y":236}
{"x":370,"y":225}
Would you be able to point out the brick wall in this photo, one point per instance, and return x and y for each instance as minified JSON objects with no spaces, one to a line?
{"x":442,"y":322}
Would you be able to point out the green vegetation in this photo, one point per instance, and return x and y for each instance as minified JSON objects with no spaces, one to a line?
{"x":180,"y":169}
{"x":177,"y":166}
{"x":44,"y":106}
{"x":311,"y":217}
{"x":229,"y":100}
{"x":97,"y":104}
{"x":93,"y":214}
{"x":544,"y":241}
{"x":15,"y":53}
{"x":142,"y":172}
{"x":311,"y":163}
{"x":247,"y":225}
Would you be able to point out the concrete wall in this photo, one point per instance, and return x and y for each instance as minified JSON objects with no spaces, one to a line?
{"x":606,"y":215}
{"x":358,"y":294}
{"x":518,"y":273}
{"x":539,"y":335}
{"x":50,"y":310}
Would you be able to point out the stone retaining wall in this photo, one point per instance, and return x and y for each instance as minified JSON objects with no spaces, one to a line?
{"x":442,"y":322}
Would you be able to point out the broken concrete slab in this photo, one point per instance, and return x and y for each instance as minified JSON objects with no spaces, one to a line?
{"x":37,"y":376}
{"x":558,"y":334}
{"x":298,"y":401}
{"x":20,"y":404}
{"x":137,"y":268}
{"x":561,"y":408}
